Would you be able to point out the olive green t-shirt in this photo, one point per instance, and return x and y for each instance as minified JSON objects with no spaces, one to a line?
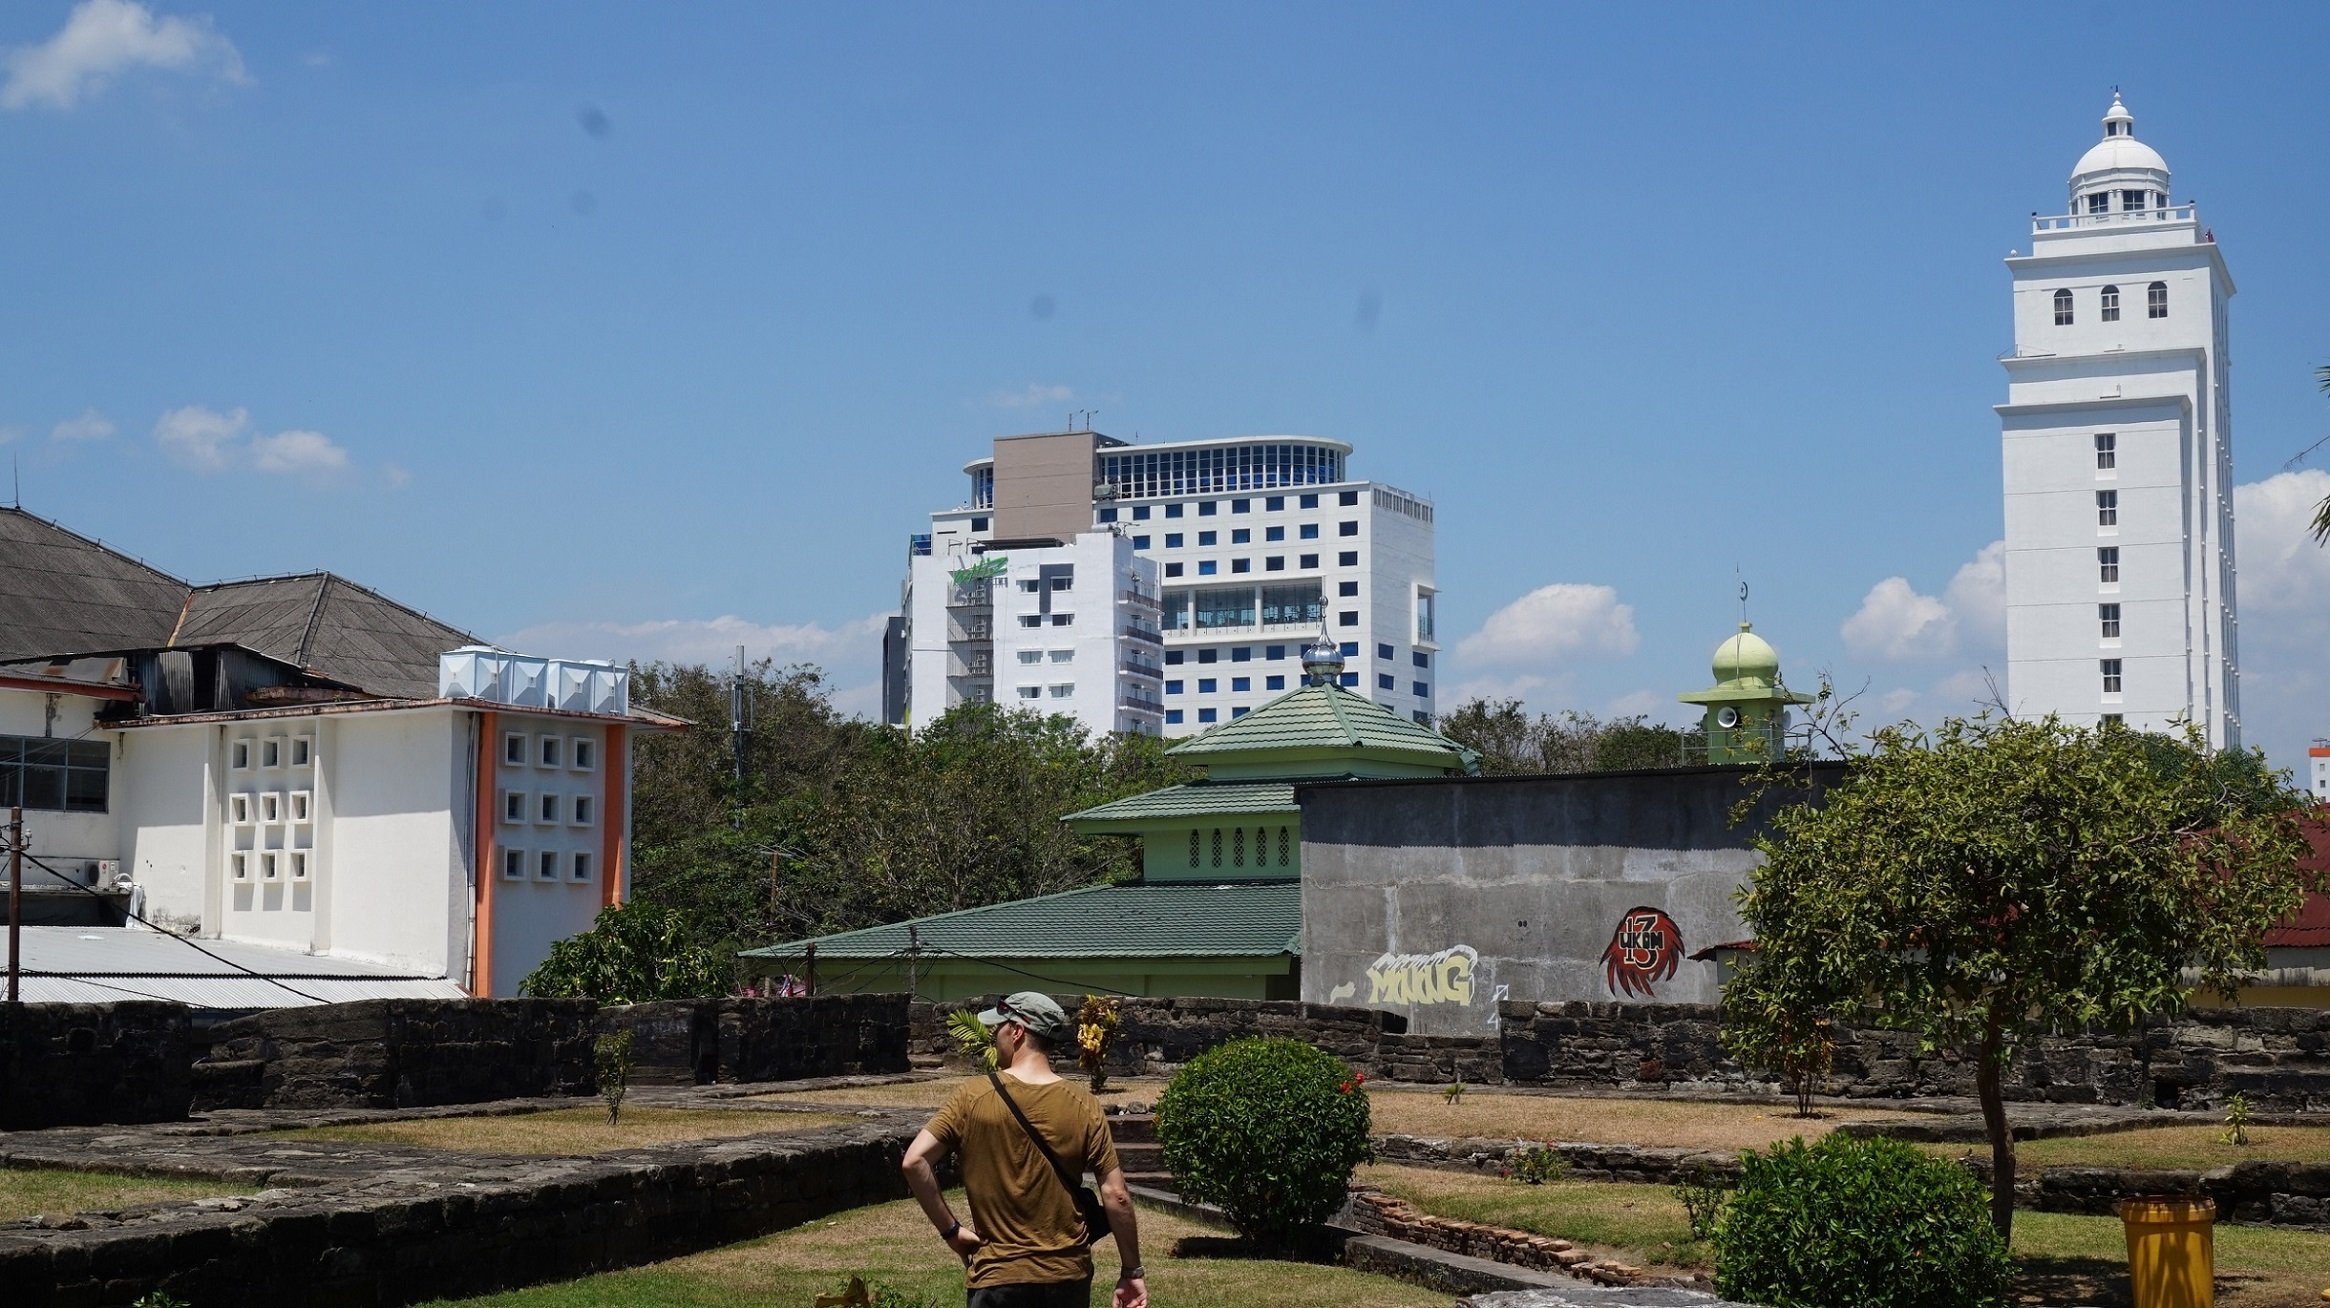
{"x":1018,"y":1206}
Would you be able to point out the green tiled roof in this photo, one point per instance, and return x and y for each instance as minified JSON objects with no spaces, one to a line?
{"x":1137,"y":921}
{"x":1197,"y":799}
{"x":1319,"y":717}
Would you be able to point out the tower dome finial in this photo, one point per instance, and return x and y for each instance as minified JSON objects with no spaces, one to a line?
{"x":2117,"y":121}
{"x":1323,"y":660}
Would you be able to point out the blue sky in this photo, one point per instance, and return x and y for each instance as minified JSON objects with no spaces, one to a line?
{"x":647,"y":329}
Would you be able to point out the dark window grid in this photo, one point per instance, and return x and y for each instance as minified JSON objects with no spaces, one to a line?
{"x":62,"y":776}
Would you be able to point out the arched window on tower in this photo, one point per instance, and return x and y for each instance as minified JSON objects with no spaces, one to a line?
{"x":2063,"y":308}
{"x":2111,"y":304}
{"x":2156,"y":300}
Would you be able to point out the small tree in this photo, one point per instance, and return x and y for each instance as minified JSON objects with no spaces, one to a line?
{"x":1097,"y":1022}
{"x":611,"y":1058}
{"x":2001,"y":878}
{"x":633,"y":953}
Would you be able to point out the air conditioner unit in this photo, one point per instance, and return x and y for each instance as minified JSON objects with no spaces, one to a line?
{"x":109,"y":873}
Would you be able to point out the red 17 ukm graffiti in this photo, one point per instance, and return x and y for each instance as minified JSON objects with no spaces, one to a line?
{"x":1646,"y":949}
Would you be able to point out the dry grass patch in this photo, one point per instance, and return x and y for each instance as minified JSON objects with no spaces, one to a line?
{"x":29,"y":1192}
{"x":893,"y":1243}
{"x":575,"y":1131}
{"x":2193,"y":1148}
{"x":932,"y":1094}
{"x":1665,"y":1123}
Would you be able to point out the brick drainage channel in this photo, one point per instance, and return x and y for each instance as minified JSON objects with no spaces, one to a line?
{"x":340,"y":1222}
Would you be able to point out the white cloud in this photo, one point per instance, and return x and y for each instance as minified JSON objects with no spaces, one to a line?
{"x":846,"y":651}
{"x":102,"y":38}
{"x":1895,"y":621}
{"x":394,"y":477}
{"x":1550,"y":623}
{"x":1977,"y":597}
{"x":297,"y":452}
{"x":2283,"y":569}
{"x":90,"y":426}
{"x":1033,"y":394}
{"x":202,"y":439}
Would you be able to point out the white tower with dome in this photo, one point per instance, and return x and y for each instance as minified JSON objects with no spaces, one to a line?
{"x":2117,"y":436}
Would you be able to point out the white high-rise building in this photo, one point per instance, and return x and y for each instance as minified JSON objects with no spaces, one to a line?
{"x":2117,"y":435}
{"x":1250,"y":546}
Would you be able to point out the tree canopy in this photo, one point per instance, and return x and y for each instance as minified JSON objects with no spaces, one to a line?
{"x":838,"y":823}
{"x":1999,"y":878}
{"x":634,"y":953}
{"x":1510,"y":740}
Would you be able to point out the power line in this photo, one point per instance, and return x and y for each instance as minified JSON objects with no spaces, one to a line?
{"x":172,"y":935}
{"x":1086,"y":986}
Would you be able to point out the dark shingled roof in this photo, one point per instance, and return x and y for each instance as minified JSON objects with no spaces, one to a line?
{"x":328,"y":625}
{"x":61,"y":593}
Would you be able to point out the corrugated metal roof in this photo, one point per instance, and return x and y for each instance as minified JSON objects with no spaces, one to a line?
{"x":103,"y":964}
{"x":1195,"y":799}
{"x":2309,"y":927}
{"x":328,"y":625}
{"x":1152,"y":920}
{"x":1321,"y":717}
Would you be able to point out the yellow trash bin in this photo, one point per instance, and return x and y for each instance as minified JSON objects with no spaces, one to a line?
{"x":2172,"y":1256}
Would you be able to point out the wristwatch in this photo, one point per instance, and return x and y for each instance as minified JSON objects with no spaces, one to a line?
{"x":1133,"y":1274}
{"x":954,"y":1228}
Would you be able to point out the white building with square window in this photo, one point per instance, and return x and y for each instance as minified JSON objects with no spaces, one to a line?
{"x":1254,"y":544}
{"x":2117,"y":444}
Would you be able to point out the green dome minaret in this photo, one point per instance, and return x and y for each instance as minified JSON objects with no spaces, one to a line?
{"x":1746,"y":717}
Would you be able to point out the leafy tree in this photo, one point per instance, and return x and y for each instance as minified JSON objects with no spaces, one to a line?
{"x":633,"y":953}
{"x":2000,"y":878}
{"x":1509,"y":740}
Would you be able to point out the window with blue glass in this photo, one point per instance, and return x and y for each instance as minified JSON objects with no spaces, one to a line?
{"x":1274,"y":503}
{"x":1172,"y":687}
{"x":1140,"y":542}
{"x":1172,"y":569}
{"x":1351,"y":679}
{"x":1242,"y":654}
{"x":1207,"y":508}
{"x":1276,"y":681}
{"x":1241,"y":565}
{"x":1208,"y":537}
{"x":1172,"y":510}
{"x":1347,"y":498}
{"x":1107,"y":514}
{"x":1208,"y":655}
{"x":978,"y":524}
{"x":1347,"y":620}
{"x":1275,"y":563}
{"x":1423,"y":689}
{"x":1274,"y":533}
{"x":1173,"y":540}
{"x":1140,"y":513}
{"x":1309,"y":502}
{"x":1350,"y":650}
{"x":1205,"y":715}
{"x":1346,"y":528}
{"x":1386,"y":681}
{"x":1384,"y":652}
{"x":1346,"y":588}
{"x":1241,"y":683}
{"x":1275,"y":652}
{"x":1308,"y":561}
{"x":1347,"y":559}
{"x":1173,"y":717}
{"x":1240,"y":712}
{"x":1241,"y":536}
{"x":1205,"y":568}
{"x":1173,"y":656}
{"x":1241,"y":506}
{"x":1205,"y":685}
{"x":1421,"y":659}
{"x":1310,"y":531}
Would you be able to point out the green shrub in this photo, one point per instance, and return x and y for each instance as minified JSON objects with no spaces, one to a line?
{"x":1538,"y":1164}
{"x":611,"y":1058}
{"x":1703,"y":1202}
{"x":1270,"y":1130}
{"x":1849,"y":1223}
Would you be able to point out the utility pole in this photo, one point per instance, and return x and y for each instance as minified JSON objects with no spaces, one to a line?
{"x":15,"y":899}
{"x":738,"y":710}
{"x":913,"y":957}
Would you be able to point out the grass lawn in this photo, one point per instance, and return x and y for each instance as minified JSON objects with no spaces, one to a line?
{"x":1485,"y":1113}
{"x":1189,"y":1267}
{"x":2195,"y":1148}
{"x":569,"y":1130}
{"x":28,"y":1192}
{"x":2061,"y":1258}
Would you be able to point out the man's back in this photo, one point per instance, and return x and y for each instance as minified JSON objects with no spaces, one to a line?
{"x":1018,"y":1204}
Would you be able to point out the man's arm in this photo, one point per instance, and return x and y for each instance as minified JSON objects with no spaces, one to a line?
{"x":1132,"y":1291}
{"x":922,"y":1179}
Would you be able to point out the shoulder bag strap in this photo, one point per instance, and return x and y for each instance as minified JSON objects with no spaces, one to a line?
{"x":1034,"y":1135}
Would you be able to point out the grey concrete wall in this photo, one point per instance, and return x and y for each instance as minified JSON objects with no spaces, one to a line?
{"x":1437,"y":899}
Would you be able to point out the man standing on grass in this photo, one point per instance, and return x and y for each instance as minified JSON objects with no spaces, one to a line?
{"x":1023,"y":1244}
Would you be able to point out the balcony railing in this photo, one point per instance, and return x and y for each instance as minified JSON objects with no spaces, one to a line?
{"x":977,"y":596}
{"x":1141,"y":669}
{"x":1140,"y":705}
{"x":982,"y":629}
{"x":1143,"y":635}
{"x":2064,"y":222}
{"x":1139,"y":600}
